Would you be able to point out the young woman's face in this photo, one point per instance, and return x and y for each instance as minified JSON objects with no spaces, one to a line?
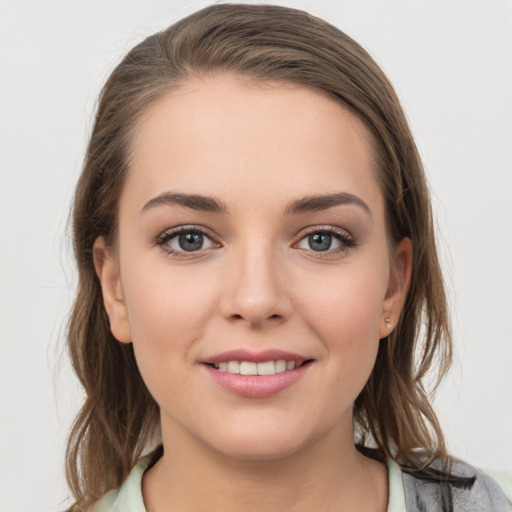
{"x":252,"y":239}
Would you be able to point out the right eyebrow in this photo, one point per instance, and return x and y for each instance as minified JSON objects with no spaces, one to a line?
{"x":192,"y":201}
{"x":324,"y":202}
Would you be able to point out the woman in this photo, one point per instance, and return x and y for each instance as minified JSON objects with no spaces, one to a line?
{"x":256,"y":256}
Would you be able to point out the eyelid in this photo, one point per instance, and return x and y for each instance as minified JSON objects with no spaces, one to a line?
{"x":165,"y":236}
{"x":326,"y":229}
{"x":346,"y":240}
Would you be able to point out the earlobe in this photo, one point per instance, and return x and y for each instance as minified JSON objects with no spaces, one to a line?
{"x":107,"y":270}
{"x":398,"y":285}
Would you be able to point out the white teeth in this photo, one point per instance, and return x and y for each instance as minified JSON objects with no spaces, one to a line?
{"x":233,"y":367}
{"x":267,"y":368}
{"x":248,"y":368}
{"x":251,"y":368}
{"x":280,"y":366}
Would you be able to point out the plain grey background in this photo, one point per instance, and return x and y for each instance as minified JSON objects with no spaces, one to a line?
{"x":451,"y":63}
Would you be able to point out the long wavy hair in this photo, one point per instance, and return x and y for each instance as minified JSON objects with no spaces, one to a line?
{"x":119,"y":418}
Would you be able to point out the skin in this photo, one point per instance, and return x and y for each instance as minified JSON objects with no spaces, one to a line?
{"x":257,"y":284}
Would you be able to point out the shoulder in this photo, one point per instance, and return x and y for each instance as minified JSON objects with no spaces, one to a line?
{"x":128,"y":498}
{"x":469,"y":489}
{"x":503,"y":479}
{"x":106,"y":503}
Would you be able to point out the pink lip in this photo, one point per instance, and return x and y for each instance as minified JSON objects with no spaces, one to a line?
{"x":256,"y":386}
{"x":255,"y":357}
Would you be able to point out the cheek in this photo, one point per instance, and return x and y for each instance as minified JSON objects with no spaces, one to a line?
{"x":344,"y":312}
{"x":347,"y":302}
{"x":163,"y":298}
{"x":168,"y":310}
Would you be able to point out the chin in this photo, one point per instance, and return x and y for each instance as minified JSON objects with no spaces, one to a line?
{"x":261,"y":444}
{"x":251,"y":451}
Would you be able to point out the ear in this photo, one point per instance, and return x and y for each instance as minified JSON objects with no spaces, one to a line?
{"x":107,"y":270}
{"x":398,"y":285}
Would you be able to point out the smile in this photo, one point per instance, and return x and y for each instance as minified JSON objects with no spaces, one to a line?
{"x":257,"y":374}
{"x":252,"y":368}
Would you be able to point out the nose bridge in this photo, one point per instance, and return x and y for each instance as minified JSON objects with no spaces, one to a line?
{"x":256,"y":291}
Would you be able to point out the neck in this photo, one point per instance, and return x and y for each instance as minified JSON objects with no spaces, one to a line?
{"x":327,"y":475}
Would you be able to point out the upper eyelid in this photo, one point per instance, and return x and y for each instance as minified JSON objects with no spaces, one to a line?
{"x":208,"y":231}
{"x":186,"y":228}
{"x":324,"y":229}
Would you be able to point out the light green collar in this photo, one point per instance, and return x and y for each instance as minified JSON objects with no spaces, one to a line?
{"x":396,"y":500}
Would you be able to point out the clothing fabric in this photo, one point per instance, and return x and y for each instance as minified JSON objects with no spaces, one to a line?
{"x":475,"y":491}
{"x":471,"y":491}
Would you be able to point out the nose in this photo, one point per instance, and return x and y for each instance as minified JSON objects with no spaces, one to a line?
{"x":256,"y":291}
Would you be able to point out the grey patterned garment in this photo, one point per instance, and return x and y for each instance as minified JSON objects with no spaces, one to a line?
{"x":474,"y":491}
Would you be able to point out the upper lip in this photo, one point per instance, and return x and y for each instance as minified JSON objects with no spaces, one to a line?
{"x":255,"y":357}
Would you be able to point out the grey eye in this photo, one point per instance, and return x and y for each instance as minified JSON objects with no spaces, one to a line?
{"x":184,"y":240}
{"x":325,"y":241}
{"x":320,"y":241}
{"x":191,"y":241}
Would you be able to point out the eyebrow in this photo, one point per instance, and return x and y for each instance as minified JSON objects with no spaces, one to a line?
{"x":192,"y":201}
{"x":202,"y":203}
{"x":318,"y":203}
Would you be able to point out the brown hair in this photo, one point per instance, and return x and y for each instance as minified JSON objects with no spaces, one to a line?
{"x":264,"y":43}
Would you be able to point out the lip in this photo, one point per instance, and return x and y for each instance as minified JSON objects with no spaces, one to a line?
{"x":256,"y":386}
{"x":255,"y":357}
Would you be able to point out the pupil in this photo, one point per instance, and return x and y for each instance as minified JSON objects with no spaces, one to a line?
{"x":320,"y":241}
{"x":191,"y":241}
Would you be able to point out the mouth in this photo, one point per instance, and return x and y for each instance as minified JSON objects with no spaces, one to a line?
{"x":271,"y":367}
{"x":257,"y":374}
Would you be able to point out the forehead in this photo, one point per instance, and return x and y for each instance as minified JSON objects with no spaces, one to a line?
{"x":232,"y":136}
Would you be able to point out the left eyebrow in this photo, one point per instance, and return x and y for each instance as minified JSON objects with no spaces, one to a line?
{"x":318,"y":203}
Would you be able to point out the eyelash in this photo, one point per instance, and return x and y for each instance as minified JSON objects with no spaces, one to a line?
{"x":163,"y":239}
{"x":345,"y":239}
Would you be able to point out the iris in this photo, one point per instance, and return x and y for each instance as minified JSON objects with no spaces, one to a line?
{"x":320,"y":241}
{"x":190,"y":241}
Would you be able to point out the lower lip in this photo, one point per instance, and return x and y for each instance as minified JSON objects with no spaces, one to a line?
{"x":257,"y":386}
